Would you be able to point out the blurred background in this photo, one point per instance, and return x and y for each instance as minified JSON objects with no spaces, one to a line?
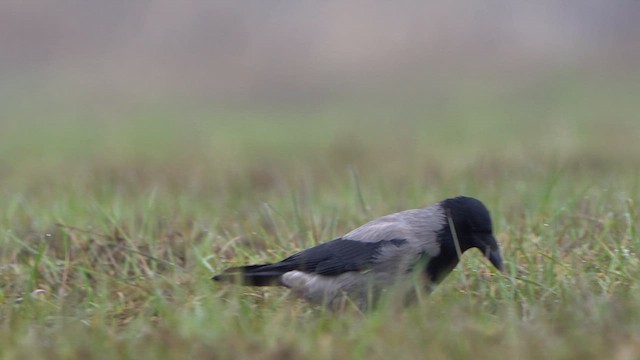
{"x":397,"y":86}
{"x":229,"y":52}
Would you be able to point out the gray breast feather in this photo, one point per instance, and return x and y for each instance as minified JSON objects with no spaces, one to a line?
{"x":334,"y":291}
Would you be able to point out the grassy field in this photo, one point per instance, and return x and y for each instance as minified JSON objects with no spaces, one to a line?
{"x":113,"y":221}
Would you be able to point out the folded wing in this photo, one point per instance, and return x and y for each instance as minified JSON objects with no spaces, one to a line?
{"x":330,"y":259}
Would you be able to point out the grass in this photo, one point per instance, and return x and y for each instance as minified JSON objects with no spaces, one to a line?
{"x":113,"y":222}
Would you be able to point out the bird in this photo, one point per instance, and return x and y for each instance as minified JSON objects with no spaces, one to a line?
{"x":385,"y":255}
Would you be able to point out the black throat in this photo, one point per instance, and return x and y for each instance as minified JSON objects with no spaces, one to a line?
{"x":440,"y":266}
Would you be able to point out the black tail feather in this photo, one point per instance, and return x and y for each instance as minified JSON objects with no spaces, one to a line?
{"x":252,"y":275}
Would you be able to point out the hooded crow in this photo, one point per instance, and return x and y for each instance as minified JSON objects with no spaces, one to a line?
{"x":381,"y":255}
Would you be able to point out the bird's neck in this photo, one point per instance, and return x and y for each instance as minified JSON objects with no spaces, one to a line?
{"x":440,"y":266}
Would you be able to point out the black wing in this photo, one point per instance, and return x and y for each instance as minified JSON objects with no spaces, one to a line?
{"x":331,"y":258}
{"x":334,"y":257}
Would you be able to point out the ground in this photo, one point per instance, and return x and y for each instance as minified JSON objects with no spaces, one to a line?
{"x":113,"y":222}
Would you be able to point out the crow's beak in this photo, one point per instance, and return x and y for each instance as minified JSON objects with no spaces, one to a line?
{"x":496,"y":259}
{"x":492,"y":252}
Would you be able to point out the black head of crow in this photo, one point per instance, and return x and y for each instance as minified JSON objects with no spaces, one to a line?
{"x":381,"y":254}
